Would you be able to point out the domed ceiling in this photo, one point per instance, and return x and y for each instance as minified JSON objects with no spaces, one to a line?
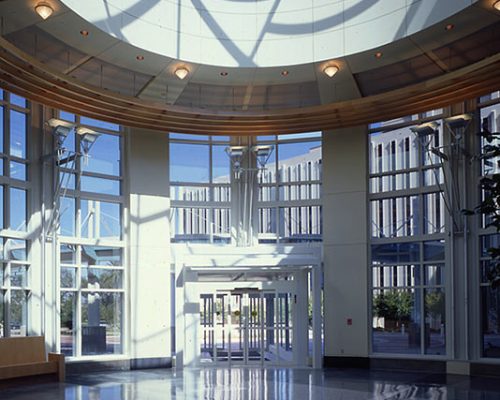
{"x":253,"y":66}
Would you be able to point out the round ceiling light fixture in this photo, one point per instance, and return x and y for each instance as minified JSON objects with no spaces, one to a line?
{"x":449,"y":27}
{"x":44,"y":9}
{"x":181,"y":72}
{"x":496,"y":6}
{"x":331,"y":70}
{"x":84,"y":33}
{"x":140,"y":58}
{"x":284,"y":72}
{"x":223,"y":73}
{"x":378,"y":54}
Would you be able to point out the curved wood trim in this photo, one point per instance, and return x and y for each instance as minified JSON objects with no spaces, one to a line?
{"x":27,"y":77}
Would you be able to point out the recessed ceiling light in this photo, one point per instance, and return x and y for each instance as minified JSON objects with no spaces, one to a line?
{"x":331,"y":70}
{"x":181,"y":72}
{"x":449,"y":27}
{"x":284,"y":72}
{"x":84,"y":33}
{"x":223,"y":73}
{"x":378,"y":54}
{"x":497,"y":5}
{"x":44,"y":9}
{"x":140,"y":58}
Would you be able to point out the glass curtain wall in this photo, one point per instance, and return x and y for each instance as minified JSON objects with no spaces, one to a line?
{"x":289,"y":200}
{"x":15,"y":187}
{"x":91,"y":246}
{"x":200,"y":189}
{"x":489,"y":114}
{"x":407,"y":211}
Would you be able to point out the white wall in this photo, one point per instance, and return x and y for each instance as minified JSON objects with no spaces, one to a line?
{"x":345,"y":242}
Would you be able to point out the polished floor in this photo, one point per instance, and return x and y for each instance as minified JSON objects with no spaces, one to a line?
{"x":256,"y":384}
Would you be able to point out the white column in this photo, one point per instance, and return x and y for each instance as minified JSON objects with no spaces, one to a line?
{"x":345,"y":239}
{"x":148,"y":240}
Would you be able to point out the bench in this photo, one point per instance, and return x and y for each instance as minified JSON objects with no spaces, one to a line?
{"x":25,"y":356}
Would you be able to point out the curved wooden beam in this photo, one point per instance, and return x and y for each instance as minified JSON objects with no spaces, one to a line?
{"x":26,"y":76}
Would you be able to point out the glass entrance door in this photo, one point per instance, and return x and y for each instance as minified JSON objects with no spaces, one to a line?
{"x":245,"y":327}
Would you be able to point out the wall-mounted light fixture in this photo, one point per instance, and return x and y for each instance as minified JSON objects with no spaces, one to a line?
{"x":262,"y":153}
{"x":44,"y":9}
{"x":496,"y":6}
{"x":181,"y":72}
{"x":427,"y":128}
{"x":236,"y":154}
{"x":60,"y":129}
{"x":331,"y":70}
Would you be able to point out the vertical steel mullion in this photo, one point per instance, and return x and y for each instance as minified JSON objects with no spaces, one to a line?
{"x":78,"y":305}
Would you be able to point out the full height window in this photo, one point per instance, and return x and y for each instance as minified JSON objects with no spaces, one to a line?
{"x":289,"y":200}
{"x":489,"y":297}
{"x":91,"y":248}
{"x":15,"y":269}
{"x":408,"y":208}
{"x":200,"y":188}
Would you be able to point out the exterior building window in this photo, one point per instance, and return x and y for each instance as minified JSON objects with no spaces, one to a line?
{"x":90,"y":238}
{"x":489,"y":298}
{"x":15,"y":269}
{"x":200,"y":188}
{"x":289,"y":199}
{"x":407,"y":242}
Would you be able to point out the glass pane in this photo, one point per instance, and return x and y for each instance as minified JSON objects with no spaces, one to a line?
{"x":1,"y":165}
{"x":15,"y":249}
{"x":299,"y":224}
{"x":67,"y":180}
{"x":67,"y":216}
{"x":101,"y":323}
{"x":433,"y":176}
{"x":434,"y":250}
{"x":18,"y":171}
{"x":1,"y":207}
{"x":17,"y":209}
{"x":100,"y":219}
{"x":190,"y":225}
{"x":67,"y":116}
{"x":396,"y":217}
{"x":68,"y":277}
{"x":19,"y":275}
{"x":189,"y":162}
{"x":68,"y":323}
{"x":2,"y":274}
{"x":299,"y":161}
{"x":104,"y":156}
{"x":68,"y":254}
{"x":299,"y":192}
{"x":222,"y":193}
{"x":17,"y":134}
{"x":267,"y":221}
{"x":396,"y":276}
{"x":395,"y":253}
{"x":220,"y":165}
{"x":1,"y":130}
{"x":306,"y":135}
{"x":221,"y":224}
{"x":434,"y":275}
{"x":99,"y":124}
{"x":490,"y":321}
{"x":18,"y":313}
{"x":393,"y":150}
{"x":434,"y":213}
{"x":267,"y":193}
{"x":18,"y":100}
{"x":435,"y":313}
{"x":396,"y":322}
{"x":190,"y":193}
{"x":102,"y":255}
{"x":98,"y":278}
{"x":99,"y":185}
